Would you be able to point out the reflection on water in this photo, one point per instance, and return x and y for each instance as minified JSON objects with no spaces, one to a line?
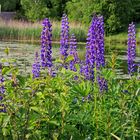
{"x":24,"y":54}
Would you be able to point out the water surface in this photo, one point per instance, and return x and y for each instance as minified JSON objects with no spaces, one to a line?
{"x":24,"y":54}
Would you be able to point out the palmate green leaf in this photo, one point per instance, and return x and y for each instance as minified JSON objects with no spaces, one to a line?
{"x":40,"y":95}
{"x":54,"y":122}
{"x":58,"y":61}
{"x":35,"y":108}
{"x":5,"y":131}
{"x":63,"y":70}
{"x":72,"y":130}
{"x":83,"y":88}
{"x":6,"y":70}
{"x":55,"y":136}
{"x":107,"y":73}
{"x":21,"y":79}
{"x":69,"y":58}
{"x":6,"y":120}
{"x":28,"y":136}
{"x":39,"y":109}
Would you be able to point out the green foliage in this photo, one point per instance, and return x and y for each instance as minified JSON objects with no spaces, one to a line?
{"x":117,"y":14}
{"x":136,"y":10}
{"x":39,"y":9}
{"x":8,"y":5}
{"x":56,"y":8}
{"x":35,"y":9}
{"x":58,"y":108}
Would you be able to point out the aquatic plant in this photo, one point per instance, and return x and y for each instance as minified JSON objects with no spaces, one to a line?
{"x":131,"y":50}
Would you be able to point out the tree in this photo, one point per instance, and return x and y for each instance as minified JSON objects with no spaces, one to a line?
{"x":8,"y":5}
{"x":117,"y":13}
{"x":38,"y":9}
{"x":136,"y":10}
{"x":35,"y":9}
{"x":57,"y":8}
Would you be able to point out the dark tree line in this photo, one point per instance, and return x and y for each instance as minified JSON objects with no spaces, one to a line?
{"x":117,"y":13}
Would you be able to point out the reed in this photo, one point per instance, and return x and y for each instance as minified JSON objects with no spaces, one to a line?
{"x":21,"y":30}
{"x":30,"y":32}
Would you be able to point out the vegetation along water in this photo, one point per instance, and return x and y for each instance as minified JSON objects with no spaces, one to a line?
{"x":72,"y":97}
{"x":23,"y":31}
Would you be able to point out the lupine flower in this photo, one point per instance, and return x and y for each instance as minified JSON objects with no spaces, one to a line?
{"x":36,"y":67}
{"x":72,"y":66}
{"x":95,"y":44}
{"x":125,"y":91}
{"x":90,"y":52}
{"x":73,"y":52}
{"x":46,"y":44}
{"x":2,"y":90}
{"x":64,"y":37}
{"x":83,"y":99}
{"x":131,"y":51}
{"x":73,"y":48}
{"x":2,"y":108}
{"x":95,"y":50}
{"x":100,"y":59}
{"x":102,"y":84}
{"x":89,"y":97}
{"x":82,"y":63}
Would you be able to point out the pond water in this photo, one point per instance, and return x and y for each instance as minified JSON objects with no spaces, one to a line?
{"x":24,"y":54}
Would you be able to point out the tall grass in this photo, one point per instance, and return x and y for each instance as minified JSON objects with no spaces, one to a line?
{"x":27,"y":31}
{"x":20,"y":30}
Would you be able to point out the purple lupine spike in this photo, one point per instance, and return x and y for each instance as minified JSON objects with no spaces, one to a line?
{"x":89,"y":97}
{"x":73,"y":48}
{"x":100,"y":59}
{"x":72,"y":66}
{"x":102,"y":84}
{"x":81,"y":67}
{"x":2,"y":90}
{"x":91,"y":50}
{"x":36,"y":66}
{"x":131,"y":50}
{"x":73,"y":52}
{"x":2,"y":108}
{"x":64,"y":37}
{"x":46,"y":44}
{"x":95,"y":50}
